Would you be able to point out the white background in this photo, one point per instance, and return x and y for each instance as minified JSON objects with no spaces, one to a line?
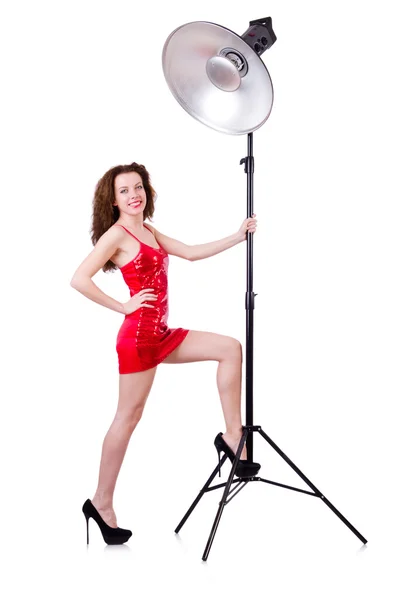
{"x":83,"y":90}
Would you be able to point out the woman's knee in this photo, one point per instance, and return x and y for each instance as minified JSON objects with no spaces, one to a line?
{"x":131,"y":415}
{"x":133,"y":394}
{"x":234,"y":349}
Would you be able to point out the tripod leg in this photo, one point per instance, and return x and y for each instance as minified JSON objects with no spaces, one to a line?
{"x":200,"y":495}
{"x":222,"y":503}
{"x":310,"y":484}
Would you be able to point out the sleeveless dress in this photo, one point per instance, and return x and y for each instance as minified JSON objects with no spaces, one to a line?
{"x":144,"y":339}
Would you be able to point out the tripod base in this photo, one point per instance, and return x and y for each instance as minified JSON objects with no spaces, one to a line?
{"x":242,"y":482}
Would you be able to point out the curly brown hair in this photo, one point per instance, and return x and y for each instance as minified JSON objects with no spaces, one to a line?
{"x":104,"y":214}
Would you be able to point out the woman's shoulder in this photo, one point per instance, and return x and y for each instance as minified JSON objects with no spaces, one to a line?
{"x":114,"y":232}
{"x":113,"y":237}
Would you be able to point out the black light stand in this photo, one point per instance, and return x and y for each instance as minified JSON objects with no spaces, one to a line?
{"x":249,"y":429}
{"x":219,"y":79}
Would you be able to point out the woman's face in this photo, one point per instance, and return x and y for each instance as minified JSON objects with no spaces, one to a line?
{"x":130,"y":195}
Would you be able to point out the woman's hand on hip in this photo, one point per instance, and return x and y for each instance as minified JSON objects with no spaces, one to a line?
{"x":139,"y":299}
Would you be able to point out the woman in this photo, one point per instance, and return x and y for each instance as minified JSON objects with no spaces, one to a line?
{"x":123,"y":200}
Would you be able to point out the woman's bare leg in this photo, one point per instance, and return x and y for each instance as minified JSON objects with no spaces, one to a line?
{"x":134,"y":390}
{"x":204,"y":345}
{"x":228,"y":379}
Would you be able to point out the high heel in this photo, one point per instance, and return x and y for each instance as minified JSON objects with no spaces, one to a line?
{"x":244,"y":467}
{"x":111,"y":535}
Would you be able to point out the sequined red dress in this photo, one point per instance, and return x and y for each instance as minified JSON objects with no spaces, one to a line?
{"x":144,"y":339}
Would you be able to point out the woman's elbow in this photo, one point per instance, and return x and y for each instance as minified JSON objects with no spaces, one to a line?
{"x":77,"y":282}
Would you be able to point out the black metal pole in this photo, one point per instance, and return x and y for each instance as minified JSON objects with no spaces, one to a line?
{"x":249,"y":300}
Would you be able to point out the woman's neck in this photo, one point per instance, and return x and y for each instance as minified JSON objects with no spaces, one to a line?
{"x":131,"y":224}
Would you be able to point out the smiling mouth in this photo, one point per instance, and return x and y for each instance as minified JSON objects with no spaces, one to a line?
{"x":135,"y":204}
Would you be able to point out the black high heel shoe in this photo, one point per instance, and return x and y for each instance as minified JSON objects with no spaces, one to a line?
{"x":111,"y":535}
{"x":244,"y":467}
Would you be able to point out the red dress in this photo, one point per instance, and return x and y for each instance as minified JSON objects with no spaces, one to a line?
{"x":144,"y":339}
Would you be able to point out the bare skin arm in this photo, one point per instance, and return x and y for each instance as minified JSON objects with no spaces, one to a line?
{"x":198,"y":251}
{"x":81,"y":281}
